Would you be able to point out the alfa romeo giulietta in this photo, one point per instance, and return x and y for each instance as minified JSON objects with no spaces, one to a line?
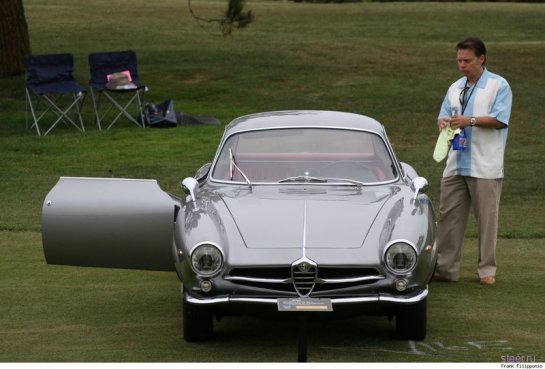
{"x":299,"y":212}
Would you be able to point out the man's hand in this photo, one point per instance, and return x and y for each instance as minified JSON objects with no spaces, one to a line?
{"x":459,"y":121}
{"x":442,"y":123}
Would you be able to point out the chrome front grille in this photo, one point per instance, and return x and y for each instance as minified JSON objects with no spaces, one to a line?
{"x":317,"y":280}
{"x":304,"y":275}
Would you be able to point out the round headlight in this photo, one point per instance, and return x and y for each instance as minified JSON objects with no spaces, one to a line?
{"x":400,"y":258}
{"x":206,"y":259}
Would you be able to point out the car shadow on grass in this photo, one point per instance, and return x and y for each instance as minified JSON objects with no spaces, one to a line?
{"x":245,"y":338}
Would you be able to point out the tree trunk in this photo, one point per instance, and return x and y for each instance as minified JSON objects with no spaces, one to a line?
{"x":14,"y":40}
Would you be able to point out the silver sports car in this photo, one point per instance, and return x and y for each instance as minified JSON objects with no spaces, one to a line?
{"x":300,"y":212}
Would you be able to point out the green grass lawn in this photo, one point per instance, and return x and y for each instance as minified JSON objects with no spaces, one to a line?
{"x":55,"y":313}
{"x":391,"y":61}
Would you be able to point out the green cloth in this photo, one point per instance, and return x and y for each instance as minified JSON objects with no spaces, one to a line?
{"x":443,"y":142}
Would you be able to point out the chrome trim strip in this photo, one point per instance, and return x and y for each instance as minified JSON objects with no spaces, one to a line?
{"x":409,"y":300}
{"x":111,"y":179}
{"x":354,"y":300}
{"x":339,"y":301}
{"x":350,"y":280}
{"x":330,"y":184}
{"x":214,"y":301}
{"x":258,"y":280}
{"x":304,"y":236}
{"x":254,"y":300}
{"x":318,"y":281}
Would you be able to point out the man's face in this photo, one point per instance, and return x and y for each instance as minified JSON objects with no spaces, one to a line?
{"x":469,"y":64}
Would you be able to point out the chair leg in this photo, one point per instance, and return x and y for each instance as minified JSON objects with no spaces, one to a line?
{"x":80,"y":97}
{"x":95,"y":108}
{"x":119,"y":109}
{"x":140,"y":99}
{"x":27,"y":108}
{"x":122,"y":109}
{"x":29,"y":104}
{"x":63,"y":115}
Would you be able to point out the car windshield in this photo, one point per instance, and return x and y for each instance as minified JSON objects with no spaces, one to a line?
{"x":305,"y":155}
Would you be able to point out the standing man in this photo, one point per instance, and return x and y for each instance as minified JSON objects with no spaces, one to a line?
{"x":479,"y":103}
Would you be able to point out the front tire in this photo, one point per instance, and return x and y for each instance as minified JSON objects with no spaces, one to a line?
{"x":197,"y":322}
{"x":411,"y":321}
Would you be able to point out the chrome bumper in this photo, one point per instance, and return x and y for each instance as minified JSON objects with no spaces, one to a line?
{"x":385,"y":298}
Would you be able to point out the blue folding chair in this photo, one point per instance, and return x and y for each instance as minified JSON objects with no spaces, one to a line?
{"x":52,"y":91}
{"x":105,"y":66}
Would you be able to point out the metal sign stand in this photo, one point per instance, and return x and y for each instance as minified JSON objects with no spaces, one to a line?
{"x":302,"y":306}
{"x":302,"y":347}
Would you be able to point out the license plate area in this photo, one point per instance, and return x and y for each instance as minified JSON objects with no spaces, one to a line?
{"x":305,"y":304}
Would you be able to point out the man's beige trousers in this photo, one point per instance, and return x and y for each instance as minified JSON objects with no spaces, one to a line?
{"x":458,"y":195}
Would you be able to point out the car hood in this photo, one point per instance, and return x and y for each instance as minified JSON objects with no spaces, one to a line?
{"x":305,"y":218}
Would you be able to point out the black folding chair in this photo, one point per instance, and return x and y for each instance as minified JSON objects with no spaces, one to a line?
{"x":51,"y":91}
{"x":104,"y":67}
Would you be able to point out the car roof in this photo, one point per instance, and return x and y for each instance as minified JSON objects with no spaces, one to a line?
{"x":303,"y":118}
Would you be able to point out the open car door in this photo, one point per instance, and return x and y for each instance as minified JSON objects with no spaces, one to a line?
{"x":113,"y":223}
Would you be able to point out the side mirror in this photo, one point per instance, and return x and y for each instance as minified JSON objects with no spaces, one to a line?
{"x":202,"y":172}
{"x":409,"y":170}
{"x":191,"y":187}
{"x":419,"y":185}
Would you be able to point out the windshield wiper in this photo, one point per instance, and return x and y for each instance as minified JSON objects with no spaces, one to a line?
{"x":233,"y":165}
{"x":307,"y":179}
{"x":359,"y":184}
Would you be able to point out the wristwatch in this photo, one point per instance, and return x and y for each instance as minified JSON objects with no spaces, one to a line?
{"x":473,"y":121}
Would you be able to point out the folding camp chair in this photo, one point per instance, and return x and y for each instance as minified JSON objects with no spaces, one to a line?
{"x":52,"y":91}
{"x":106,"y":68}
